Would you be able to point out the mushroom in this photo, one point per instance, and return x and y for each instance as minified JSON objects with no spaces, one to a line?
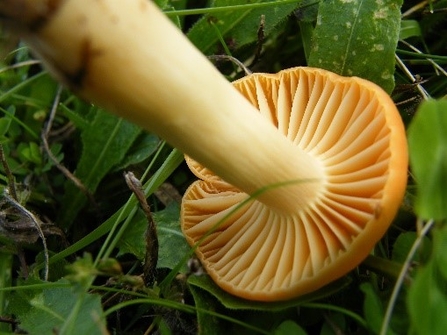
{"x":127,"y":57}
{"x":351,"y":136}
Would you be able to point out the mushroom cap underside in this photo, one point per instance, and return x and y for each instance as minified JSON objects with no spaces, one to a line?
{"x":354,"y":129}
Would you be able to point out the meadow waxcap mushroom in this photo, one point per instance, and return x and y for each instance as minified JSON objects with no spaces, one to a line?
{"x":353,"y":130}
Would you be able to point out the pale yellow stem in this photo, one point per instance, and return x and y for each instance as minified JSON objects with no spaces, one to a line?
{"x":129,"y":58}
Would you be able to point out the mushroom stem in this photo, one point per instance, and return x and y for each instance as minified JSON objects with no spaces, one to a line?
{"x":128,"y":57}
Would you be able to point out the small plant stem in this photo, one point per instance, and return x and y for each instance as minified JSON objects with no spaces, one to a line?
{"x":184,"y":308}
{"x":18,"y":65}
{"x":212,"y":10}
{"x":9,"y":175}
{"x":151,"y":238}
{"x":18,"y":121}
{"x":37,"y":224}
{"x":112,"y":238}
{"x":415,"y":8}
{"x":362,"y":322}
{"x":44,"y":136}
{"x":231,"y":59}
{"x":404,"y":68}
{"x":383,"y":266}
{"x":20,"y":86}
{"x":431,"y":61}
{"x":402,"y":275}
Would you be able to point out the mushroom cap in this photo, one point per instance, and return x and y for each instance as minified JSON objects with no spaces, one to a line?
{"x":353,"y":128}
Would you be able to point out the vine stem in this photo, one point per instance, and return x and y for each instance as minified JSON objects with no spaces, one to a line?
{"x":402,"y":275}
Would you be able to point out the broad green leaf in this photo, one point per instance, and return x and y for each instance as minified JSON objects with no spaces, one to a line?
{"x":306,"y":15}
{"x":427,"y":138}
{"x":357,"y":38}
{"x":409,"y":28}
{"x":238,"y":26}
{"x":247,"y":322}
{"x":41,"y":94}
{"x":142,"y":148}
{"x":172,"y":244}
{"x":428,"y":302}
{"x":54,"y":309}
{"x":373,"y":308}
{"x":439,"y":252}
{"x":132,"y":241}
{"x":403,"y":245}
{"x":233,"y":302}
{"x":427,"y":297}
{"x":163,"y":328}
{"x":289,"y":327}
{"x":105,"y":142}
{"x":208,"y":324}
{"x":307,"y":11}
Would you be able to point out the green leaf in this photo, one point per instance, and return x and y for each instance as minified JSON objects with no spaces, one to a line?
{"x":132,"y":241}
{"x":307,"y":11}
{"x":5,"y":122}
{"x":172,"y":243}
{"x":439,"y":254}
{"x":373,"y":308}
{"x":240,"y":26}
{"x":427,"y":297}
{"x":428,"y":303}
{"x":142,"y":148}
{"x":209,"y":324}
{"x":56,"y":150}
{"x":56,"y":309}
{"x":74,"y":116}
{"x":289,"y":327}
{"x":247,"y":322}
{"x":105,"y":142}
{"x":357,"y":38}
{"x":30,"y":152}
{"x":403,"y":245}
{"x":233,"y":302}
{"x":427,"y":139}
{"x":409,"y":28}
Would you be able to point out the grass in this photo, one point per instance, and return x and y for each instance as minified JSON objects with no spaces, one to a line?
{"x":63,"y":179}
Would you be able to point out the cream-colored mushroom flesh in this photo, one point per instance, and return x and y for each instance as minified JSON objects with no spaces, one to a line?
{"x":352,"y":129}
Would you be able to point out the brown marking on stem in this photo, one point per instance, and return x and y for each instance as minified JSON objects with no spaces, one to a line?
{"x":260,"y":42}
{"x":76,"y":79}
{"x":43,"y":17}
{"x":151,"y":238}
{"x":28,"y":15}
